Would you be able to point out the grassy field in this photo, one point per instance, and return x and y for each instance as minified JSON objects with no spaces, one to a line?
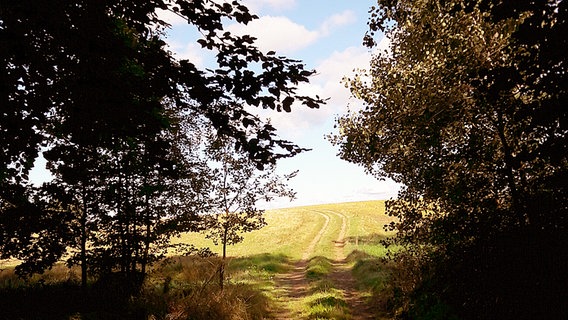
{"x":187,"y":288}
{"x":285,"y":239}
{"x":290,"y":230}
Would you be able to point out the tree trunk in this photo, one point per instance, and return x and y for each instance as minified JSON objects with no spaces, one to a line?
{"x":148,"y":225}
{"x":84,"y":241}
{"x":509,"y":167}
{"x":222,"y":267}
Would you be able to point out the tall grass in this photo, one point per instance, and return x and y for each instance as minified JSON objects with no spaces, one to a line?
{"x":187,"y":287}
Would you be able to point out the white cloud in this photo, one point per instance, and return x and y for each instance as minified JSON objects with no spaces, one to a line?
{"x":383,"y":46}
{"x":285,"y":36}
{"x":257,"y":5}
{"x":170,"y":17}
{"x":327,"y":83}
{"x":379,"y":189}
{"x":337,"y":20}
{"x":277,"y":33}
{"x":191,"y":51}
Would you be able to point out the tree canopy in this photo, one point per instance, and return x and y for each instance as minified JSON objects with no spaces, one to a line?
{"x":467,"y":110}
{"x":93,"y":84}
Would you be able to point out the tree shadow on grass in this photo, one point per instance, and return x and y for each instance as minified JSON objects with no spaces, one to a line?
{"x":65,"y":300}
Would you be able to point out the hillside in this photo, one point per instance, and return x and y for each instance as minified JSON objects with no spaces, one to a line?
{"x":290,"y":230}
{"x":311,"y":262}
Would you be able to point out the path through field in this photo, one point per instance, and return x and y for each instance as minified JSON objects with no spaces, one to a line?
{"x":295,"y":286}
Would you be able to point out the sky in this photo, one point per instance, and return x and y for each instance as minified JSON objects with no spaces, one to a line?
{"x":327,"y":36}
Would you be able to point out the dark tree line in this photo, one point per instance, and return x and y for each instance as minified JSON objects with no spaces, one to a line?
{"x":120,"y":121}
{"x":469,"y":112}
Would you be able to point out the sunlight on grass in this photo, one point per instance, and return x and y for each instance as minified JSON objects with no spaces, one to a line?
{"x":289,"y":231}
{"x":188,"y":286}
{"x":329,"y":304}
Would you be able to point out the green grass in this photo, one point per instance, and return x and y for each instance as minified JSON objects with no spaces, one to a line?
{"x":289,"y":231}
{"x":187,"y":286}
{"x":318,"y":267}
{"x":328,"y":304}
{"x":324,"y":301}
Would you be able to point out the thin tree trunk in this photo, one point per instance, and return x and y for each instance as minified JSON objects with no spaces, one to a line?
{"x":148,"y":230}
{"x":222,"y":267}
{"x":84,"y":241}
{"x":508,"y":158}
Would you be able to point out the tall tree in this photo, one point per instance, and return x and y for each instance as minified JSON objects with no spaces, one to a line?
{"x":236,"y":187}
{"x":467,"y":111}
{"x":96,"y":76}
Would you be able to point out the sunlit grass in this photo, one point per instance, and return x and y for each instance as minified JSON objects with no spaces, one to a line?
{"x":189,"y":285}
{"x":289,"y":231}
{"x":323,"y":301}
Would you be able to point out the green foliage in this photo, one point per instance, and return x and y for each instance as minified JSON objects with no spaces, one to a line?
{"x":466,"y":110}
{"x":119,"y":119}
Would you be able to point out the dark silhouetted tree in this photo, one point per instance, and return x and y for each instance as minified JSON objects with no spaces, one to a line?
{"x":468,"y":111}
{"x":95,"y":79}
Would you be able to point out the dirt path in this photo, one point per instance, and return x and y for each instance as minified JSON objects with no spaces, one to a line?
{"x":294,"y":284}
{"x":343,"y":279}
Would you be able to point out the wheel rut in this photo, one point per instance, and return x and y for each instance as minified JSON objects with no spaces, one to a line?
{"x":294,"y":284}
{"x":343,"y":278}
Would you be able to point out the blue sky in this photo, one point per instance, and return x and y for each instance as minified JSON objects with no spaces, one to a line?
{"x":326,"y":35}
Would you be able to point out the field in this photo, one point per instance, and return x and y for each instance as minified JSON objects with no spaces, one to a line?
{"x":289,"y":231}
{"x":313,"y":262}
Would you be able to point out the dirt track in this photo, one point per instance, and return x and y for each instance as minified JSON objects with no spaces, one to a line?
{"x":295,"y":285}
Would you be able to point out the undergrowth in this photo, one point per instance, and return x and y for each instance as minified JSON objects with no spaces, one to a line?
{"x":178,"y":288}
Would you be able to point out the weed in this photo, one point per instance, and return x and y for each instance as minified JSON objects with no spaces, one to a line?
{"x":326,"y":304}
{"x":318,"y":267}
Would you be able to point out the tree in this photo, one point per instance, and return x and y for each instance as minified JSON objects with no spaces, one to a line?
{"x":466,"y":111}
{"x":236,"y":186}
{"x":91,"y":78}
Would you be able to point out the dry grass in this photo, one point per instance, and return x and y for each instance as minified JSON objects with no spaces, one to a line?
{"x":187,"y":287}
{"x":289,"y":231}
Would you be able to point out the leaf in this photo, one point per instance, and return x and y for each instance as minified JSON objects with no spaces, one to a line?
{"x":287,"y":103}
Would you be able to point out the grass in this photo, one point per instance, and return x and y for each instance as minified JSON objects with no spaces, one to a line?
{"x":323,"y":301}
{"x":282,"y":225}
{"x":365,"y":230}
{"x":187,"y":287}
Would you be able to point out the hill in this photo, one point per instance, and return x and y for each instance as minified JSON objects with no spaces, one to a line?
{"x":290,"y":230}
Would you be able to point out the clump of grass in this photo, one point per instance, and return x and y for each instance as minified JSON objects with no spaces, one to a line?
{"x":375,"y":276}
{"x":369,"y":271}
{"x":270,"y":263}
{"x":235,"y":301}
{"x":326,"y":303}
{"x":318,"y":267}
{"x":188,"y":288}
{"x":324,"y":300}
